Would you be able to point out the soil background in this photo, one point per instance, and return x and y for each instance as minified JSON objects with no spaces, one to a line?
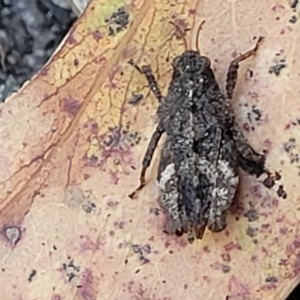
{"x":30,"y":31}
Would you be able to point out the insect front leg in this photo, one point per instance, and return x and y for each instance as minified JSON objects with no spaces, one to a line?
{"x":232,"y":72}
{"x":148,"y":157}
{"x":249,"y":160}
{"x":147,"y":71}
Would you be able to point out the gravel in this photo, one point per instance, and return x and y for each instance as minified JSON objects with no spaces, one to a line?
{"x":30,"y":31}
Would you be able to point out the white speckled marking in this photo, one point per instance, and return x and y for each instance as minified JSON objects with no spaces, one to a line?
{"x":169,"y":194}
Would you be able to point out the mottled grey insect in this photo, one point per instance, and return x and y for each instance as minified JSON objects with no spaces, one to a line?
{"x":204,"y":146}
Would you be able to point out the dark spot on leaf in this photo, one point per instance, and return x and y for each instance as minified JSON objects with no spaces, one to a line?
{"x":277,"y":67}
{"x":44,"y":71}
{"x":272,"y":279}
{"x":136,"y":98}
{"x":281,"y":193}
{"x":294,"y":3}
{"x":71,"y":106}
{"x":71,"y":39}
{"x":97,"y":35}
{"x":95,"y":128}
{"x":293,"y":19}
{"x":32,"y":274}
{"x":252,"y":214}
{"x":225,"y":268}
{"x":252,"y":232}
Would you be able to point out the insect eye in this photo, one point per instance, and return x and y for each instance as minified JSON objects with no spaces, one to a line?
{"x":205,"y":62}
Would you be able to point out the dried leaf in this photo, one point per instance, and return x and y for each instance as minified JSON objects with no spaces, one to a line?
{"x":71,"y":150}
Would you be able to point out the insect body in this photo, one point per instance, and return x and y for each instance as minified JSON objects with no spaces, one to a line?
{"x":204,"y":146}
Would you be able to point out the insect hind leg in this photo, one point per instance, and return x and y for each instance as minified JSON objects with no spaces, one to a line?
{"x":250,"y":161}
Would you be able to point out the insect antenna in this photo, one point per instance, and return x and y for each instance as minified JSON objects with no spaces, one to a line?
{"x":181,"y":33}
{"x":198,"y":35}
